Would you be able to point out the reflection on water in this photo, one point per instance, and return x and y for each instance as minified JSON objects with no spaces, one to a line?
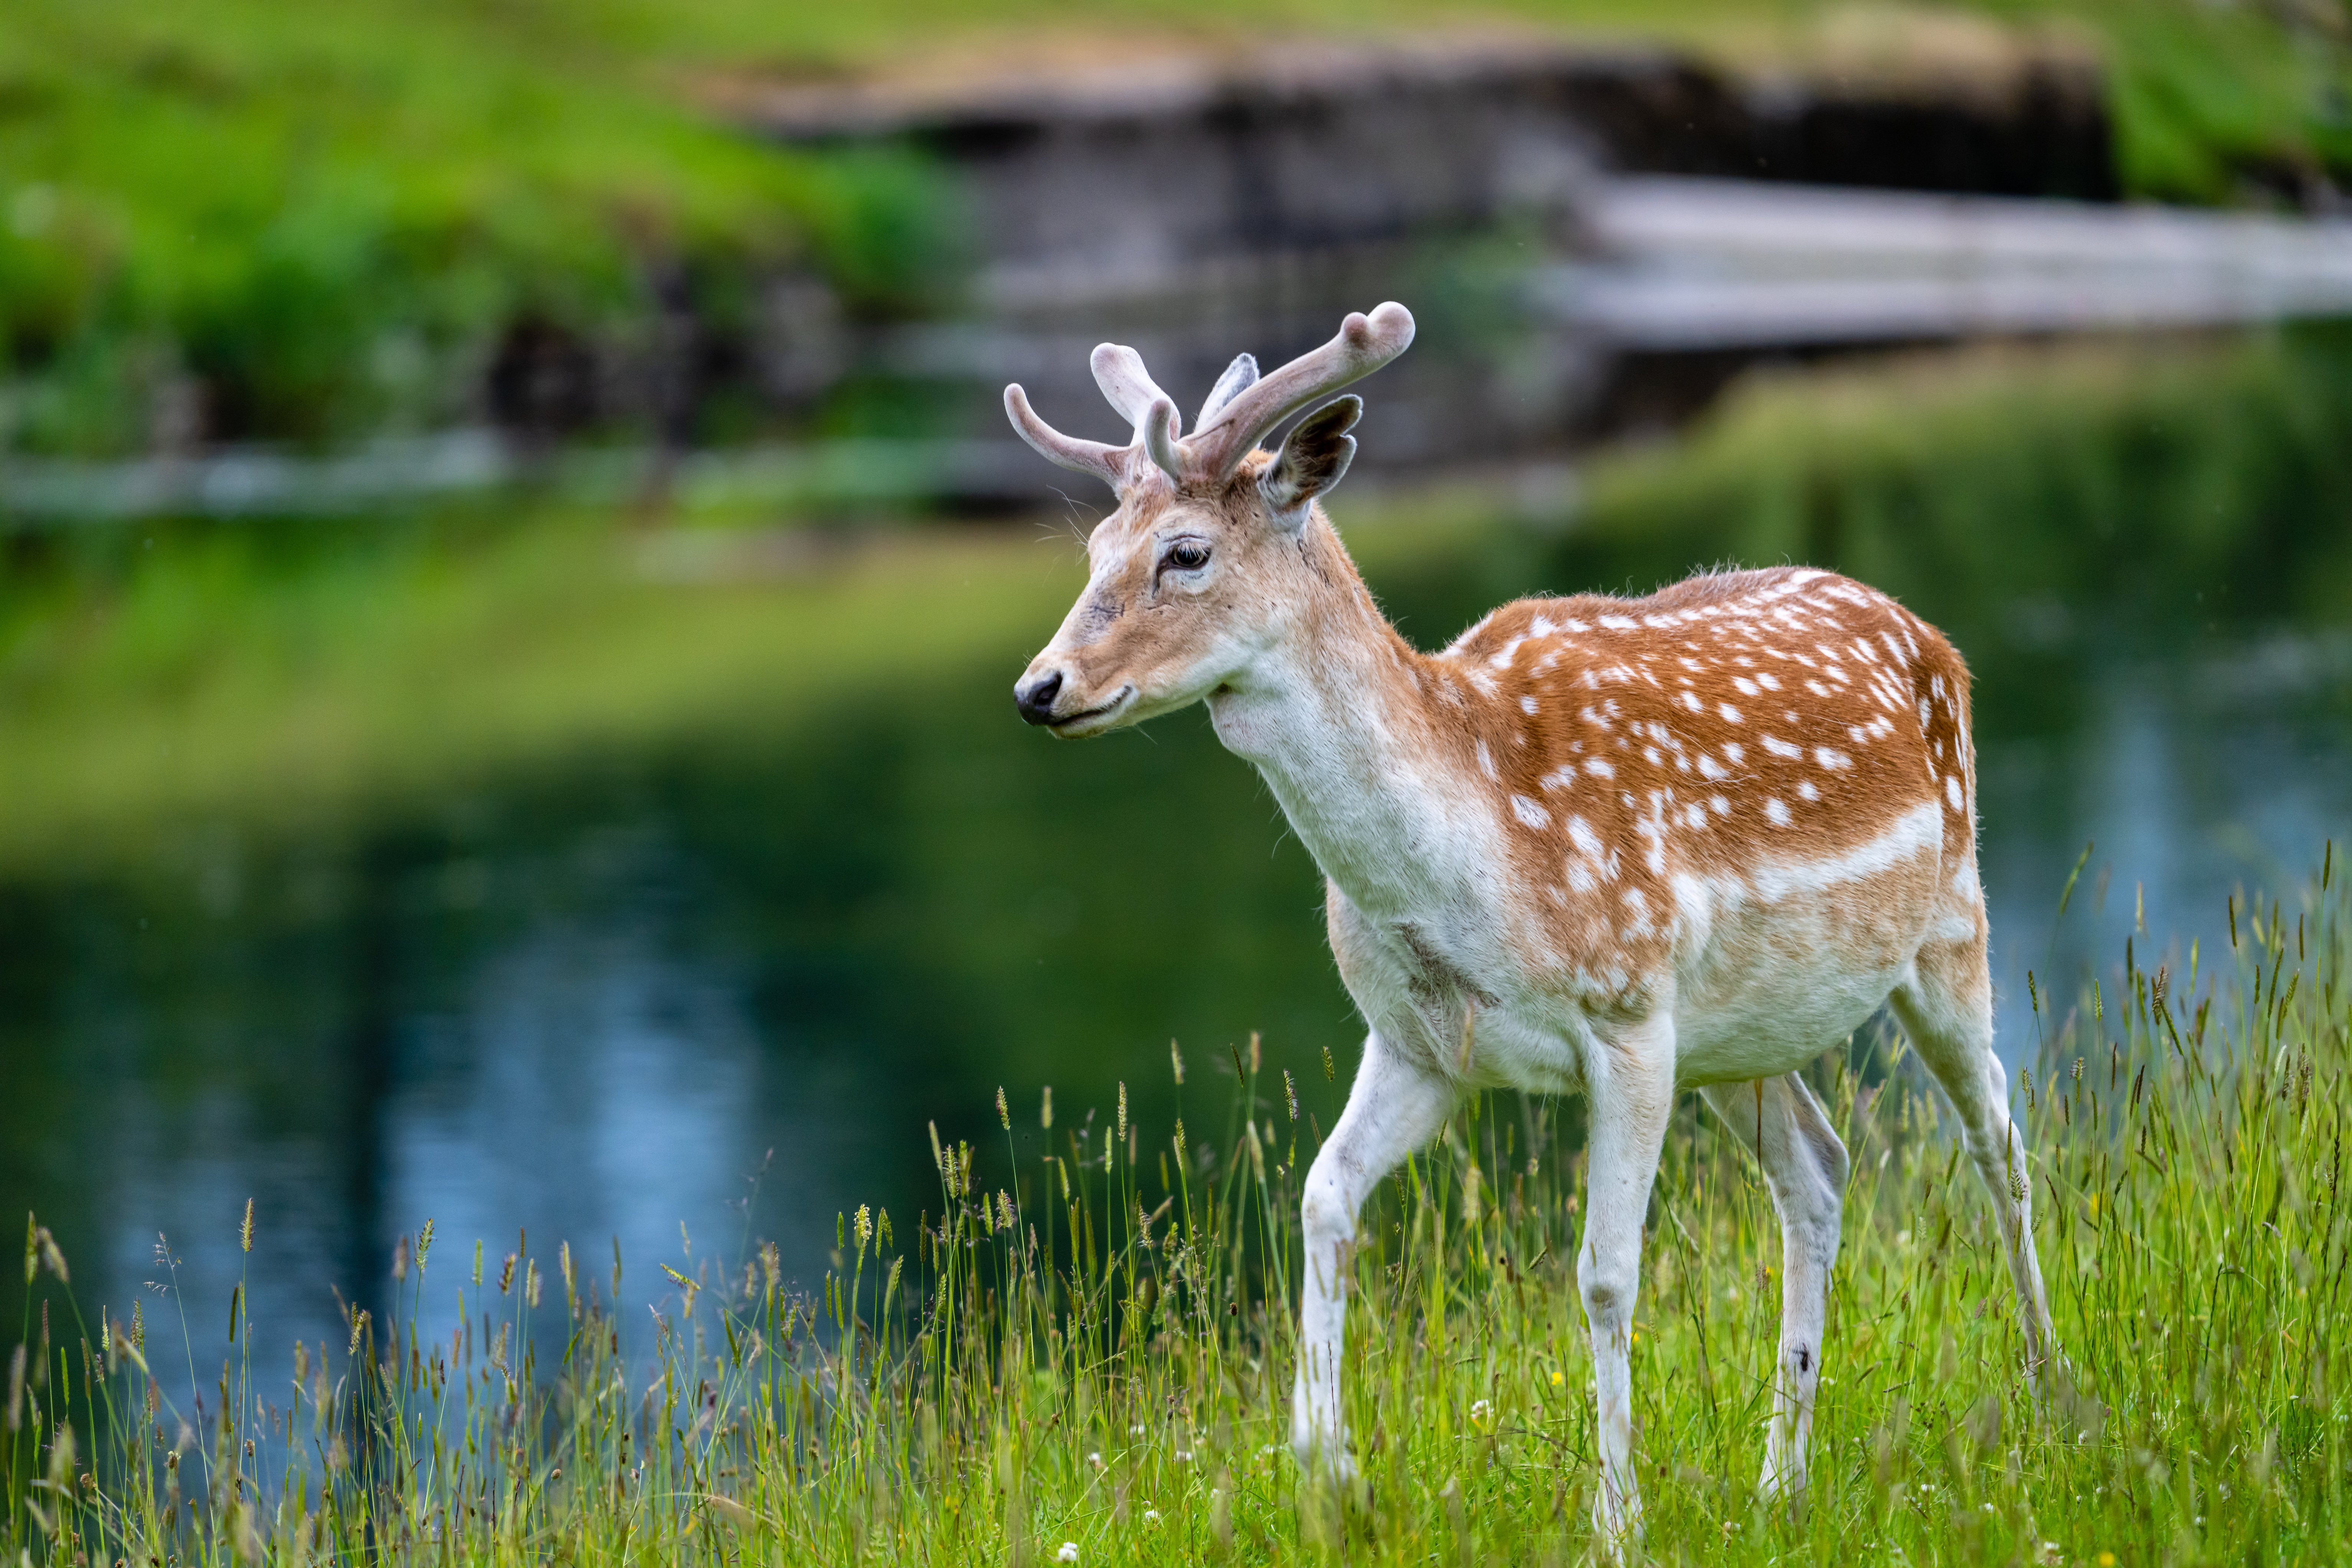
{"x":595,"y":1006}
{"x":2198,"y":772}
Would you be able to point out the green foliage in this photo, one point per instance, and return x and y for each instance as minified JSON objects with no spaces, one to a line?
{"x":2204,"y":97}
{"x":2091,"y":475}
{"x":1091,"y":1341}
{"x":321,"y":217}
{"x":324,"y":216}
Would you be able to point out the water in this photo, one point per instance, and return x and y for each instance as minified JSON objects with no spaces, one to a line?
{"x":719,"y":990}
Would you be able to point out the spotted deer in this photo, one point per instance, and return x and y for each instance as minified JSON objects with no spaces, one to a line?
{"x":1615,"y":846}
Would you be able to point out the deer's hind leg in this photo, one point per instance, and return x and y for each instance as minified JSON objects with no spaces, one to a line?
{"x":1946,"y":1006}
{"x":1780,"y":1122}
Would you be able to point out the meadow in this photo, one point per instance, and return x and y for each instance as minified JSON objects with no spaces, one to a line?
{"x":228,"y":220}
{"x":1083,"y":1352}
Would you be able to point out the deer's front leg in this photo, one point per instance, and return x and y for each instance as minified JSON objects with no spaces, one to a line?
{"x":1393,"y":1108}
{"x":1631,"y":1095}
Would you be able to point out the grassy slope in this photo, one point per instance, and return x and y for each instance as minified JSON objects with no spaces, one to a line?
{"x":324,"y":210}
{"x":1035,"y":1369}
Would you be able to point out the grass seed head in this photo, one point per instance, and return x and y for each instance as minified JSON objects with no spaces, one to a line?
{"x":52,"y":1259}
{"x":245,"y":1231}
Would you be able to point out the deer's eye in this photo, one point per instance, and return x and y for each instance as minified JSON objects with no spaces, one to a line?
{"x":1185,"y":555}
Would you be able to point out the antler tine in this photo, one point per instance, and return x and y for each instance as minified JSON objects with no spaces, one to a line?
{"x":1159,"y":437}
{"x":1118,"y":371}
{"x":1107,"y":464}
{"x":1364,"y":344}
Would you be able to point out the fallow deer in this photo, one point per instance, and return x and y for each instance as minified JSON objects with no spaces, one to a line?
{"x":1615,"y":846}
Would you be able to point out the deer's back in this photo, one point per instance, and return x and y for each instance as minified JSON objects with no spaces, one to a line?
{"x":1760,"y":783}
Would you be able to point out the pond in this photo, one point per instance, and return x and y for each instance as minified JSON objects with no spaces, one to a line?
{"x":724,"y":989}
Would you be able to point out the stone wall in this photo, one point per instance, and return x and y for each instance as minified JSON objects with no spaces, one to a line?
{"x":1160,"y":173}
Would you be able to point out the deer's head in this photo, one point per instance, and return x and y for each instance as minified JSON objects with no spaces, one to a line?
{"x":1193,"y":576}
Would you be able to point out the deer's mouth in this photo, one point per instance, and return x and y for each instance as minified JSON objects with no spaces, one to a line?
{"x":1095,"y":721}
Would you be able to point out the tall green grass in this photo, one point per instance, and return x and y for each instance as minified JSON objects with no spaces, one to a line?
{"x":1084,"y":1353}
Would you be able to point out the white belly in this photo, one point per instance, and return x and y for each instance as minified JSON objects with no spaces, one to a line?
{"x":1783,"y":963}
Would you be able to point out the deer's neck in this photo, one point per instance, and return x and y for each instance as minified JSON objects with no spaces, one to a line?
{"x":1334,"y":717}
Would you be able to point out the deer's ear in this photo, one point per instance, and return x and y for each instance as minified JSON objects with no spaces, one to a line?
{"x":1311,"y":461}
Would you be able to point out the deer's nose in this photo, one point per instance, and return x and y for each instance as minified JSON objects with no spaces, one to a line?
{"x":1034,"y":697}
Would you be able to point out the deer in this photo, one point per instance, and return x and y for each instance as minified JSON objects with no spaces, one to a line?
{"x":1620,"y":847}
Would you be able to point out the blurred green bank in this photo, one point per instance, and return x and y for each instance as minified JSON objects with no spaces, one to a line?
{"x":281,"y":675}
